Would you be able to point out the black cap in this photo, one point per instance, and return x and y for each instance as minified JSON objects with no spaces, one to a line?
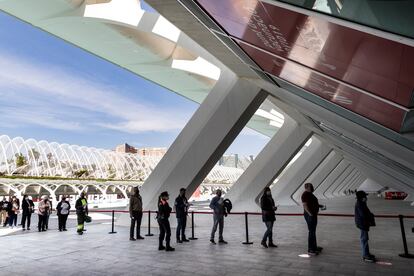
{"x":163,"y":194}
{"x":183,"y":189}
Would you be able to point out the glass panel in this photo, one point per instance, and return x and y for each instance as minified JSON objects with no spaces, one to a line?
{"x":392,"y":16}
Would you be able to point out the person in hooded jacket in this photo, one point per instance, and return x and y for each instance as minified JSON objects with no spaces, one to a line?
{"x":268,"y":216}
{"x":181,"y":211}
{"x":164,"y":211}
{"x":364,"y":219}
{"x":27,"y":208}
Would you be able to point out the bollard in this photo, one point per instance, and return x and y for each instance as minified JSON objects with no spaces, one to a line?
{"x":405,"y":254}
{"x":192,"y":227}
{"x":247,"y":228}
{"x":149,"y":225}
{"x":113,"y":223}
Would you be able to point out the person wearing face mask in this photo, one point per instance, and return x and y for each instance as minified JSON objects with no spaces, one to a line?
{"x":268,"y":216}
{"x":164,"y":211}
{"x":13,"y":212}
{"x":43,"y":210}
{"x":27,"y":207}
{"x":219,"y":211}
{"x":364,"y":219}
{"x":311,"y":209}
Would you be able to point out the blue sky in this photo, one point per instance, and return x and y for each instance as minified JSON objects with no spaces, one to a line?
{"x":51,"y":90}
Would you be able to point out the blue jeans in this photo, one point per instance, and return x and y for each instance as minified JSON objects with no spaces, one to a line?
{"x":312,"y":222}
{"x":364,"y":243}
{"x":218,"y":221}
{"x":181,"y":224}
{"x":269,"y":232}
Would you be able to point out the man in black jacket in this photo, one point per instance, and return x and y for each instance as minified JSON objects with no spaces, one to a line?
{"x":28,"y":209}
{"x":364,"y":219}
{"x":181,"y":209}
{"x":135,"y":212}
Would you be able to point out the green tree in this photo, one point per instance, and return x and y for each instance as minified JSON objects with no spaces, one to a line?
{"x":20,"y":160}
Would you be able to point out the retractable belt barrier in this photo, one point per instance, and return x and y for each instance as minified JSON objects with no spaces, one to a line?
{"x":406,"y":254}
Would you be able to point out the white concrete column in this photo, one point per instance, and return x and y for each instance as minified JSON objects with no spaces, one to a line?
{"x":211,"y":130}
{"x":347,"y":181}
{"x":270,"y":162}
{"x":331,"y":178}
{"x":297,"y":173}
{"x":319,"y":174}
{"x":344,"y":175}
{"x":370,"y":185}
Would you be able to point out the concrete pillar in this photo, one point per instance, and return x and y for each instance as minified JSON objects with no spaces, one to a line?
{"x":297,"y":173}
{"x":344,"y":175}
{"x":370,"y":185}
{"x":331,"y":178}
{"x":274,"y":157}
{"x":319,"y":174}
{"x":211,"y":130}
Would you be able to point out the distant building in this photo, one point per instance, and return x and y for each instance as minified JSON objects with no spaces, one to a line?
{"x":152,"y":151}
{"x":125,"y":148}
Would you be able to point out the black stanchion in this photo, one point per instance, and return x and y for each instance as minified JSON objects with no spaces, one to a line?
{"x":192,"y":227}
{"x":247,"y":228}
{"x":113,"y":223}
{"x":405,"y":254}
{"x":149,"y":225}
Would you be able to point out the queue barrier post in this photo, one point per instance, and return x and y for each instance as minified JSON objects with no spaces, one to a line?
{"x":192,"y":227}
{"x":247,"y":228}
{"x":113,"y":223}
{"x":149,"y":225}
{"x":405,"y":254}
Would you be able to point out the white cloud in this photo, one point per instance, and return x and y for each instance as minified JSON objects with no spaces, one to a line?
{"x":58,"y":93}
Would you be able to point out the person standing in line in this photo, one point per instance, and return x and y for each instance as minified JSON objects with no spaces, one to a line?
{"x":62,"y":211}
{"x":217,"y":204}
{"x":4,"y":209}
{"x":364,"y":219}
{"x":43,"y":208}
{"x":181,"y":211}
{"x":81,"y":207}
{"x":27,"y":208}
{"x":13,"y":212}
{"x":135,"y":212}
{"x":164,"y":211}
{"x":311,"y":209}
{"x":267,"y":204}
{"x":49,"y":199}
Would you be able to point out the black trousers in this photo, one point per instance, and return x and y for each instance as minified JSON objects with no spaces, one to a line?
{"x":41,"y":225}
{"x":181,"y":224}
{"x":136,"y":218}
{"x":312,"y":222}
{"x":62,"y":221}
{"x":26,"y":217}
{"x":165,"y":231}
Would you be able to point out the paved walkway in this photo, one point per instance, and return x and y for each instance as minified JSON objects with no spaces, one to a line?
{"x":98,"y":253}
